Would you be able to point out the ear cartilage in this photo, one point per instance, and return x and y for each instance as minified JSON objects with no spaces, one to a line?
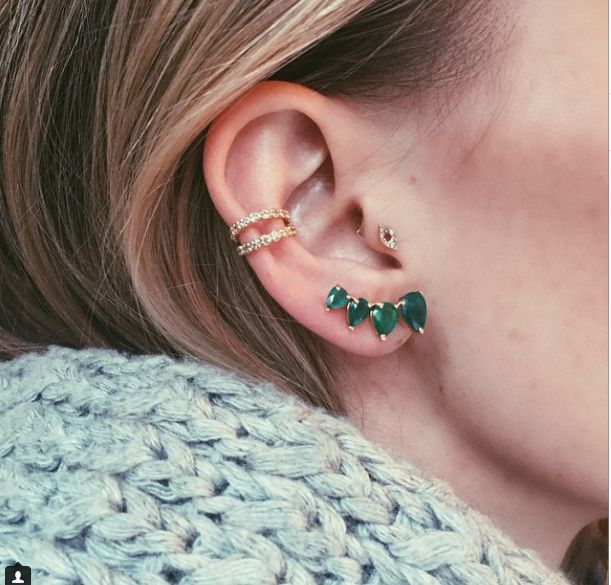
{"x":383,"y":316}
{"x":266,"y":239}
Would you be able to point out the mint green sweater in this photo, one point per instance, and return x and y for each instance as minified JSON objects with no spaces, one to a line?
{"x":122,"y":469}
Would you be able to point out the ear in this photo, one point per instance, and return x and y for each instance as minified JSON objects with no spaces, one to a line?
{"x":282,"y":145}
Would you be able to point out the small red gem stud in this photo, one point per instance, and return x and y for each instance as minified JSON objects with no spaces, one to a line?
{"x":387,"y":237}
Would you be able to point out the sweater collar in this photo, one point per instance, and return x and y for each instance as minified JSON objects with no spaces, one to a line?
{"x":152,"y":465}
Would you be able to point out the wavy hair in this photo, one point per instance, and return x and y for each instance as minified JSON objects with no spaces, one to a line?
{"x":108,"y":237}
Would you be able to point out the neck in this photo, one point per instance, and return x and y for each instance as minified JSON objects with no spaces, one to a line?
{"x":410,"y":420}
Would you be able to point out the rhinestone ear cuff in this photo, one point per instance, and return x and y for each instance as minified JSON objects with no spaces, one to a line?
{"x":384,"y":316}
{"x":265,"y":239}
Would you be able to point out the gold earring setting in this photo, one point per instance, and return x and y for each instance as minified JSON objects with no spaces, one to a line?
{"x":384,"y":316}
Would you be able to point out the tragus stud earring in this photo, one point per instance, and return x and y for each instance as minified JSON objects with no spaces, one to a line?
{"x":383,"y":316}
{"x":387,"y":237}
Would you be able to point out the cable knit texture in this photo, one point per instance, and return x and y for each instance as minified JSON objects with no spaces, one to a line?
{"x":123,"y":469}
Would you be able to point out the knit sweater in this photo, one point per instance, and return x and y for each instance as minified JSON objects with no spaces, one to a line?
{"x":122,"y":469}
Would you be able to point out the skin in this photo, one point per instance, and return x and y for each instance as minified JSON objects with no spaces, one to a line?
{"x":500,"y":207}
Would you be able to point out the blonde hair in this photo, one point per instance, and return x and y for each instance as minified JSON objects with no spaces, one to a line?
{"x":107,"y":235}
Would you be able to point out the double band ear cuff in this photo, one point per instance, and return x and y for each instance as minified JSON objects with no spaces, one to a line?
{"x":266,"y":239}
{"x":384,"y":316}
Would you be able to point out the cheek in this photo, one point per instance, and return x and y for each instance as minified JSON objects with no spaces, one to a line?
{"x":524,"y":305}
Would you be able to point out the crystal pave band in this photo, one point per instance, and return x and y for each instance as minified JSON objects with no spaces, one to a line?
{"x":266,"y":239}
{"x":239,"y":225}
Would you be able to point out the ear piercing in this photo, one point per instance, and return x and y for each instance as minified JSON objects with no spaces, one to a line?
{"x":387,"y":237}
{"x":383,"y":316}
{"x":386,"y":234}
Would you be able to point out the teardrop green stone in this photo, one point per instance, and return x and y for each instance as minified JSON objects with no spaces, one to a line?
{"x":337,"y":298}
{"x":384,"y":318}
{"x":357,"y":311}
{"x":413,"y":310}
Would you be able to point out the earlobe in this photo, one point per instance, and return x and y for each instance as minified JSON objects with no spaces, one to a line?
{"x":276,"y":149}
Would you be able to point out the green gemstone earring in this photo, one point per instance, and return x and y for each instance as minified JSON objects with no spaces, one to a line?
{"x":383,"y":316}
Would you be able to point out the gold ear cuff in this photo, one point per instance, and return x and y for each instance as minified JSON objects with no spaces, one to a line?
{"x":266,"y":239}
